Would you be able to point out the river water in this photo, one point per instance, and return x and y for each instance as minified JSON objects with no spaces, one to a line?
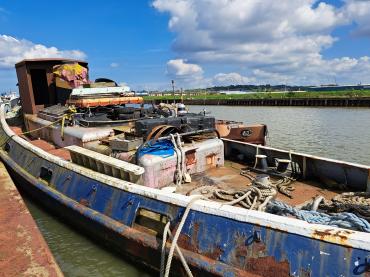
{"x":339,"y":133}
{"x":77,"y":255}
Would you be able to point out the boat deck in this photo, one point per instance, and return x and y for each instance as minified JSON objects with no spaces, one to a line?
{"x":44,"y":145}
{"x":229,"y":178}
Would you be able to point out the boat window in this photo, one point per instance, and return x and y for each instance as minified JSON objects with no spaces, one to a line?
{"x":40,"y":86}
{"x":46,"y":174}
{"x":7,"y":147}
{"x":150,"y":222}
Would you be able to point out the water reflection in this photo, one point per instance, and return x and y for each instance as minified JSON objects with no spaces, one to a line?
{"x":76,"y":255}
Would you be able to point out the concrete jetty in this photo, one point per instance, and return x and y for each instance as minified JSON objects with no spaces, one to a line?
{"x":23,"y":250}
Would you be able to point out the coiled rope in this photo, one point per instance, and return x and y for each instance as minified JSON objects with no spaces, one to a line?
{"x":354,"y":202}
{"x":342,"y":220}
{"x":259,"y":196}
{"x":256,"y":196}
{"x":283,"y":185}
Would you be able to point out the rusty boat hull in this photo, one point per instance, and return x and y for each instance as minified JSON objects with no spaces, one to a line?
{"x":217,"y":239}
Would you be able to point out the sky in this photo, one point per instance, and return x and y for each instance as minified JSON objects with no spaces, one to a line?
{"x":197,"y":43}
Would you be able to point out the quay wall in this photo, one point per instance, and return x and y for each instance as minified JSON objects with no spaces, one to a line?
{"x":310,"y":102}
{"x":23,"y":250}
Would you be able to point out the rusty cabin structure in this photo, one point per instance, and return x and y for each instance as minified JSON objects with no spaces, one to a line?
{"x":37,"y":87}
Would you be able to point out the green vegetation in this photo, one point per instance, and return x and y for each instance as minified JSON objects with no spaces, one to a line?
{"x":267,"y":95}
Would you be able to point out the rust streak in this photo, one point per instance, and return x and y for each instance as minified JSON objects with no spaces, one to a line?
{"x":334,"y":236}
{"x":84,"y":202}
{"x":268,"y":267}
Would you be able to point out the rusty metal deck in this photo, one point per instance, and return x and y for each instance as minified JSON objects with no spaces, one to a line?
{"x":23,"y":250}
{"x":229,"y":178}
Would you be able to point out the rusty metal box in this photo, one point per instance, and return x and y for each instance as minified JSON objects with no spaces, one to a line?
{"x":120,"y":144}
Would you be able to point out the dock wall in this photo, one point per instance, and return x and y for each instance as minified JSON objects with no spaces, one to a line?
{"x":309,"y":102}
{"x":23,"y":250}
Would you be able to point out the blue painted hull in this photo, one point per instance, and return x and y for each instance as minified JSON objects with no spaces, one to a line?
{"x":212,"y":244}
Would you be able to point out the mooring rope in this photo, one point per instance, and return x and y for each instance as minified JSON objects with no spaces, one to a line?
{"x":31,"y":131}
{"x":166,"y":232}
{"x":342,"y":220}
{"x":284,"y":185}
{"x":255,"y":196}
{"x":178,"y":175}
{"x":165,"y":271}
{"x":259,"y":196}
{"x":68,"y":116}
{"x":354,"y":202}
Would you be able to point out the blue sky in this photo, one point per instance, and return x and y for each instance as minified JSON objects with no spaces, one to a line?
{"x":128,"y":33}
{"x":197,"y":43}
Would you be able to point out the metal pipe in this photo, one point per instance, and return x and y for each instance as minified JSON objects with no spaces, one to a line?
{"x":189,"y":133}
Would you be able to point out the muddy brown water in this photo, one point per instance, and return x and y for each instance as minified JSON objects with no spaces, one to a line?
{"x":339,"y":133}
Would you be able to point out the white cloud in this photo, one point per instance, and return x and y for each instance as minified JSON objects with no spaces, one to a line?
{"x":268,"y":77}
{"x":359,"y":12}
{"x":274,"y":41}
{"x":188,"y":75}
{"x":13,"y":50}
{"x":114,"y":65}
{"x":233,"y":78}
{"x":229,"y":27}
{"x":180,"y":68}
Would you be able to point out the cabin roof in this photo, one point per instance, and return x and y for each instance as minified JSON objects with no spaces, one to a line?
{"x":49,"y":60}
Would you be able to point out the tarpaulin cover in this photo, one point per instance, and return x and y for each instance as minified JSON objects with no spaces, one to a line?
{"x":163,"y":148}
{"x":73,"y":73}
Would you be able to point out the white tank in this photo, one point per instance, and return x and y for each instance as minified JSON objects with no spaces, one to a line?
{"x":200,"y":156}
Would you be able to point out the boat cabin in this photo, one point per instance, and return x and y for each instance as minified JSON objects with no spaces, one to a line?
{"x":36,"y":81}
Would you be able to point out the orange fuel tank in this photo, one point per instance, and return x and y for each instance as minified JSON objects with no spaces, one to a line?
{"x":106,"y":101}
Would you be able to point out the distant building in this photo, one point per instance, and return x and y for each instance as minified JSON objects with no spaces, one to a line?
{"x":142,"y":93}
{"x":333,"y":87}
{"x":228,"y":92}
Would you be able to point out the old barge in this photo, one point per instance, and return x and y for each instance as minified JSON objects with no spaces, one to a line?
{"x":179,"y":197}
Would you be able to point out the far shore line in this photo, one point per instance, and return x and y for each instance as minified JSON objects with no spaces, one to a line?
{"x":312,"y":99}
